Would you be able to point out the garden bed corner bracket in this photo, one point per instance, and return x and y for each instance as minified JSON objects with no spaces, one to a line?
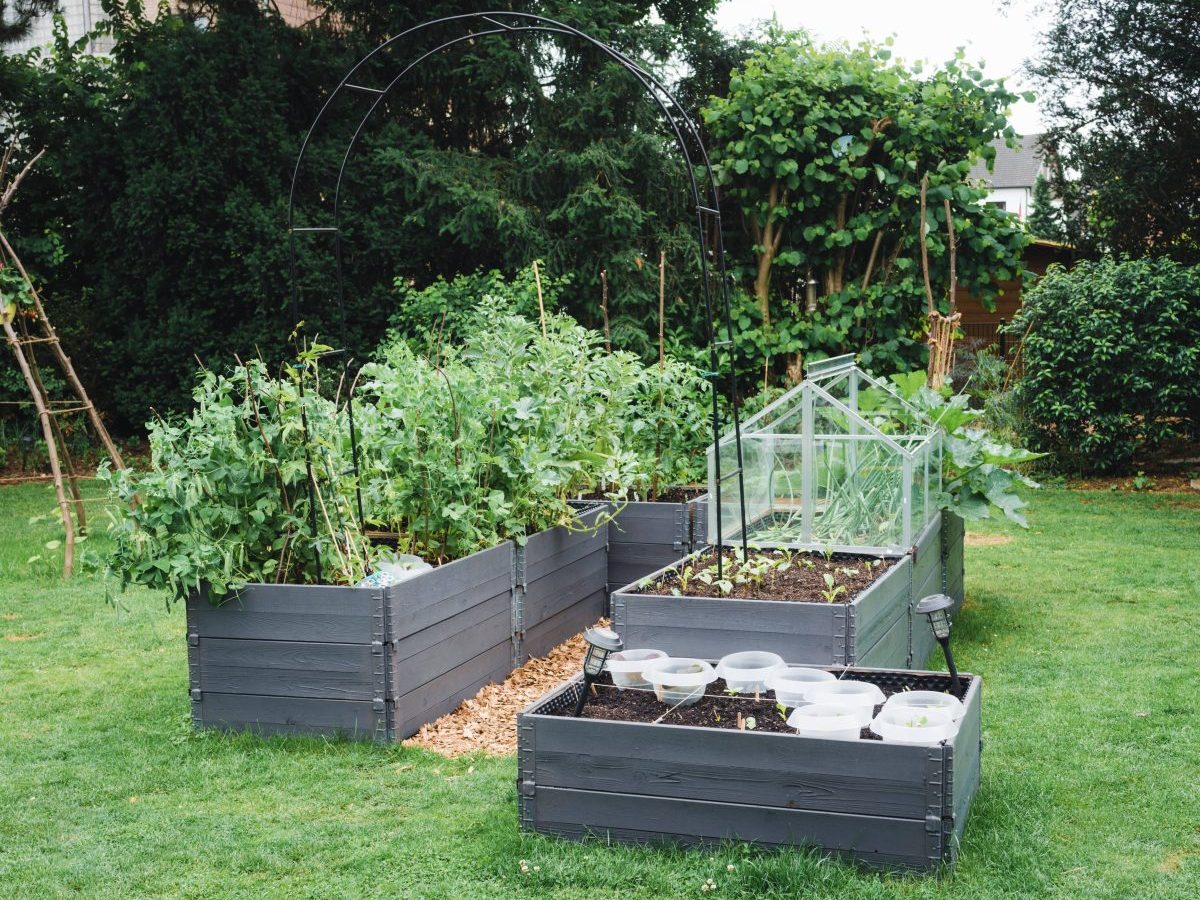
{"x":616,"y":601}
{"x":518,"y":585}
{"x":844,"y":624}
{"x":381,"y":663}
{"x":939,"y":802}
{"x":526,"y":784}
{"x":682,"y":542}
{"x":193,"y":655}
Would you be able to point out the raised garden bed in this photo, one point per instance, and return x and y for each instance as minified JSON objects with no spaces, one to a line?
{"x":885,"y":805}
{"x":645,"y":536}
{"x":378,"y":663}
{"x":874,"y":627}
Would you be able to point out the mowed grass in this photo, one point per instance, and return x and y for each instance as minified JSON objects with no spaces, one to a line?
{"x":1084,"y":628}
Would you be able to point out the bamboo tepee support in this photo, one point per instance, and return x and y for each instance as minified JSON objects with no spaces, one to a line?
{"x":26,"y":326}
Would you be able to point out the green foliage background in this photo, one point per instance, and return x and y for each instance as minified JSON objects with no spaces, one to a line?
{"x":1121,"y":83}
{"x":1111,"y":361}
{"x":156,"y":222}
{"x":157,"y":218}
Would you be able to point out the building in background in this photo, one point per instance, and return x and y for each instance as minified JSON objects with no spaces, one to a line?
{"x":82,"y":16}
{"x":1013,"y":175}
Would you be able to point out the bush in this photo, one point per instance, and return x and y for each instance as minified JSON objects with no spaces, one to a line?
{"x":1111,"y":361}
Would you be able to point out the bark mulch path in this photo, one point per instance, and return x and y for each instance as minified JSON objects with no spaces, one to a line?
{"x":488,"y":721}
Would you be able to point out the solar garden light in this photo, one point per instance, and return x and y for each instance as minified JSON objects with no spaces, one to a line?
{"x":601,"y":642}
{"x":937,"y":608}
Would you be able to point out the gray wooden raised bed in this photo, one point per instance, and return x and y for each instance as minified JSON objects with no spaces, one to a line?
{"x":884,"y":805}
{"x":646,"y":536}
{"x":944,"y":578}
{"x":875,"y":629}
{"x":378,"y":663}
{"x":953,"y":537}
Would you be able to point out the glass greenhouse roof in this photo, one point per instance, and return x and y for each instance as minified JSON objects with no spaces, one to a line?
{"x":840,"y":462}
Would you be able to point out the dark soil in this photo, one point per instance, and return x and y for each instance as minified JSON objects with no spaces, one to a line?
{"x":803,"y":582}
{"x":714,"y":710}
{"x":679,"y":494}
{"x":666,"y":495}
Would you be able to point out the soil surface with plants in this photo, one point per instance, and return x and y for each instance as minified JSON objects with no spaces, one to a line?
{"x":772,"y":575}
{"x":716,"y":709}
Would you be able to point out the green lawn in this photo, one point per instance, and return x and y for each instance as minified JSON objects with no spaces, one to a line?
{"x":1084,"y":628}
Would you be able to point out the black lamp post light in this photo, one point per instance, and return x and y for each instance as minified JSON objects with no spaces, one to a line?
{"x":937,"y":608}
{"x":601,"y":642}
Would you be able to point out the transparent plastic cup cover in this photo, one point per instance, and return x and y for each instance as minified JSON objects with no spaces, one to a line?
{"x":927,"y":700}
{"x":913,"y":725}
{"x":747,"y":671}
{"x":861,"y":695}
{"x":790,"y":684}
{"x":831,"y":721}
{"x":626,"y":666}
{"x":679,"y":680}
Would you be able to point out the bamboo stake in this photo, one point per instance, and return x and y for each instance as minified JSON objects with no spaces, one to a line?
{"x":953,"y":255}
{"x":68,"y":462}
{"x":604,"y":309}
{"x":64,"y":361}
{"x":537,"y":280}
{"x":11,"y":190}
{"x":51,"y":445}
{"x":662,"y":297}
{"x":925,"y":248}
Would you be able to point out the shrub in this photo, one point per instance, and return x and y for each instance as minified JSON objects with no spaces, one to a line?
{"x":979,"y":472}
{"x":1111,"y":360}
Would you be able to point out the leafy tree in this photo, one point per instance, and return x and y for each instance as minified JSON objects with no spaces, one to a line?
{"x":1045,"y":219}
{"x":1121,"y":80}
{"x":823,"y":150}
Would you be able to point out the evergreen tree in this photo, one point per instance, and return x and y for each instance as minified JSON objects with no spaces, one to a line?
{"x":17,"y":16}
{"x":1045,"y":219}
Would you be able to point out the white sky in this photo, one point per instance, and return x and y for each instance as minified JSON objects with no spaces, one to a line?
{"x":923,"y":29}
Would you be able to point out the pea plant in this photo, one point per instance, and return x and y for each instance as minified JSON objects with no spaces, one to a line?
{"x":225,"y":499}
{"x":491,"y":439}
{"x":458,"y":447}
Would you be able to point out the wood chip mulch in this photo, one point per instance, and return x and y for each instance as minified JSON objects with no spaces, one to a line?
{"x":488,"y":721}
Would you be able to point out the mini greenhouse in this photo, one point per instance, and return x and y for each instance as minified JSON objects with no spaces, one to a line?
{"x":840,"y":462}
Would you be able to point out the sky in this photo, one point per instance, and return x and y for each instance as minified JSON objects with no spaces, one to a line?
{"x":923,"y":29}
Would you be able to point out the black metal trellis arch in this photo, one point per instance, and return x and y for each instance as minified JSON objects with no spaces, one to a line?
{"x":706,"y":203}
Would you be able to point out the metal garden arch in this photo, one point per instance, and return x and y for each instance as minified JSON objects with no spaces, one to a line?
{"x":507,"y":23}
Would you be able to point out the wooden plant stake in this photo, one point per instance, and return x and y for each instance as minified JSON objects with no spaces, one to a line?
{"x":537,"y":280}
{"x":604,"y":309}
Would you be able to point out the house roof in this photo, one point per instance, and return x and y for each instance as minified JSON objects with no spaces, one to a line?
{"x":1013,"y":168}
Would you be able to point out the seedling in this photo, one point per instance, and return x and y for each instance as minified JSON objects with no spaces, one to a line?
{"x":1142,"y":482}
{"x":833,"y":591}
